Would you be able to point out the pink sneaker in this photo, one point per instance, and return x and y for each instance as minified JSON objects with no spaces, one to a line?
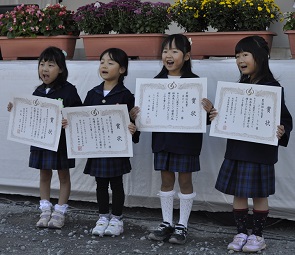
{"x":254,"y":244}
{"x":238,"y":242}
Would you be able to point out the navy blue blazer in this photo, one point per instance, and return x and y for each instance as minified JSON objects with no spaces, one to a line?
{"x":261,"y":153}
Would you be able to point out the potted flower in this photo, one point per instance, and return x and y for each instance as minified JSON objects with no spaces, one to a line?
{"x":136,"y":27}
{"x":231,"y":19}
{"x":33,"y":29}
{"x":241,"y":15}
{"x":289,"y":28}
{"x":190,"y":15}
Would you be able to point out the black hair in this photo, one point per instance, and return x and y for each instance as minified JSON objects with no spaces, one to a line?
{"x":56,"y":55}
{"x":120,"y":57}
{"x":259,"y":49}
{"x":182,"y":44}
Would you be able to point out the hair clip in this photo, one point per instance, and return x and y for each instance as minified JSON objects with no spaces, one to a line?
{"x":65,"y":53}
{"x":190,"y":41}
{"x":97,"y":4}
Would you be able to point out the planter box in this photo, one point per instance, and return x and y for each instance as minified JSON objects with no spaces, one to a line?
{"x":136,"y":46}
{"x":31,"y":48}
{"x":221,"y":44}
{"x":291,"y":37}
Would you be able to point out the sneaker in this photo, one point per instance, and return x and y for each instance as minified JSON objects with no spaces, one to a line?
{"x":254,"y":244}
{"x":101,"y":226}
{"x":238,"y":242}
{"x":163,"y":231}
{"x":179,"y":234}
{"x":44,"y":219}
{"x":57,"y":220}
{"x":115,"y":227}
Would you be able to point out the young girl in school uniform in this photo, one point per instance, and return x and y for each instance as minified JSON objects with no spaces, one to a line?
{"x":248,"y":168}
{"x":175,"y":152}
{"x":109,"y":171}
{"x":53,"y":72}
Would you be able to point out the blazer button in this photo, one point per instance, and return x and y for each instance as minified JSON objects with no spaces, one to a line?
{"x":103,"y":101}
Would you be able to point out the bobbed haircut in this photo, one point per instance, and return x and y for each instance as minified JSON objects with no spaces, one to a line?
{"x":259,"y":49}
{"x":182,"y":43}
{"x":118,"y":56}
{"x":56,"y":55}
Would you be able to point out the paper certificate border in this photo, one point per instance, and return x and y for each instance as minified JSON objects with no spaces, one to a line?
{"x":74,"y":113}
{"x":251,"y":90}
{"x":198,"y":84}
{"x":38,"y":102}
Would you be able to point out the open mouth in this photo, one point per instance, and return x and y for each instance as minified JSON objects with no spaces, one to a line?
{"x":45,"y":77}
{"x":170,"y":63}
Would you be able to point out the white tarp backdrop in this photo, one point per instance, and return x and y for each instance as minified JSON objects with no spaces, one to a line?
{"x":143,"y":183}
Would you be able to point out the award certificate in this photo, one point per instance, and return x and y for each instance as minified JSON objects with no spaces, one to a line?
{"x":171,"y":105}
{"x":247,"y":112}
{"x":35,"y":121}
{"x":98,"y":131}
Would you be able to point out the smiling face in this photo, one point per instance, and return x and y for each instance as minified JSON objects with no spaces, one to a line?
{"x":110,"y":70}
{"x":173,"y":59}
{"x":246,"y":64}
{"x":48,"y":71}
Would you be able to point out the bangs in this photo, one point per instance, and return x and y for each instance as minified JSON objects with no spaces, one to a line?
{"x":179,"y":41}
{"x":245,"y":46}
{"x":47,"y":55}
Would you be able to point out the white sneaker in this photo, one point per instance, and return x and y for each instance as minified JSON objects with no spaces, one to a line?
{"x":115,"y":227}
{"x":238,"y":242}
{"x":101,"y":226}
{"x":44,"y":219}
{"x":254,"y":244}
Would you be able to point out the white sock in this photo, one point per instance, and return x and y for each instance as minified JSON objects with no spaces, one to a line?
{"x":166,"y":198}
{"x":186,"y":203}
{"x":45,"y":205}
{"x":61,"y":208}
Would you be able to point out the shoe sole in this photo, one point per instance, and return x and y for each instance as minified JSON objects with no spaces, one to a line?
{"x":152,"y":236}
{"x":55,"y":227}
{"x":109,"y":233}
{"x":245,"y":249}
{"x":232,"y":249}
{"x":175,"y":241}
{"x":97,"y":234}
{"x":41,"y":226}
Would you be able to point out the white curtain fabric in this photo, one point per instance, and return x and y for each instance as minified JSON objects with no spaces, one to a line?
{"x":143,"y":183}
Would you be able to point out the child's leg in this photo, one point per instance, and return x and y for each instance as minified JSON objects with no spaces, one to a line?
{"x":102,"y":195}
{"x":65,"y":186}
{"x":256,"y":241}
{"x":45,"y":205}
{"x":260,"y":212}
{"x":118,"y":195}
{"x":45,"y":182}
{"x":167,"y":195}
{"x":186,"y":196}
{"x":240,"y":211}
{"x":58,"y":215}
{"x":115,"y":227}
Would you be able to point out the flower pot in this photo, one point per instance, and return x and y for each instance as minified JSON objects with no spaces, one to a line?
{"x":31,"y":48}
{"x":291,"y":37}
{"x":221,"y":44}
{"x":137,"y":46}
